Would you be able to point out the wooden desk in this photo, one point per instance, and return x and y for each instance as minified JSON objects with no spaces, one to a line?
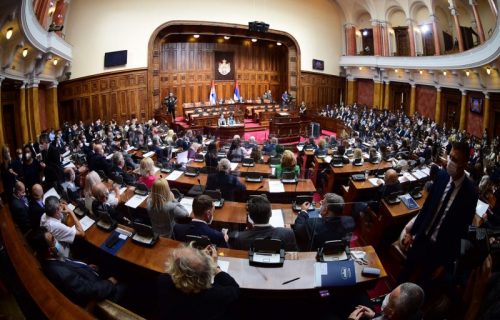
{"x":261,"y":168}
{"x":340,"y":175}
{"x":248,"y":277}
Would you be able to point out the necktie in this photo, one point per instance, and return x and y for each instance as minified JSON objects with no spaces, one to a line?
{"x":444,"y":205}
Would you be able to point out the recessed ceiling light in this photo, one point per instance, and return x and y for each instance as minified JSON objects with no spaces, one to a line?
{"x":254,"y":40}
{"x":196,"y":36}
{"x":8,"y":35}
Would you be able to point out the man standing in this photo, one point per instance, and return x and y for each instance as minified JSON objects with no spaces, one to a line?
{"x":170,"y":102}
{"x":443,"y":221}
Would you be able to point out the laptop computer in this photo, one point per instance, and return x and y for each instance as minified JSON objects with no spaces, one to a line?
{"x":144,"y":234}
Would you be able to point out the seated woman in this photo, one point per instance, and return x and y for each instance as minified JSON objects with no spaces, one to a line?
{"x":222,"y":120}
{"x":357,"y":156}
{"x":211,"y":157}
{"x":91,"y":180}
{"x":374,"y":158}
{"x":163,"y":209}
{"x":146,"y":170}
{"x":236,"y":151}
{"x":322,"y":150}
{"x":288,"y":164}
{"x":256,"y":155}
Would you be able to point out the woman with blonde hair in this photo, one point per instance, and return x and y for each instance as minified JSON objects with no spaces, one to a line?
{"x":163,"y":209}
{"x":91,"y":180}
{"x":147,"y":172}
{"x":288,"y":164}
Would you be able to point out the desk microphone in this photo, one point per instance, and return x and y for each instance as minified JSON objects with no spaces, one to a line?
{"x":262,"y":186}
{"x":199,"y":183}
{"x":296,"y":184}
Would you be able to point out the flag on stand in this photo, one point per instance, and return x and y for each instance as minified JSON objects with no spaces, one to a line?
{"x":213,"y":95}
{"x":236,"y":95}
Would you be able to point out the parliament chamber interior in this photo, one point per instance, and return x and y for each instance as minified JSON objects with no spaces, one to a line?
{"x":335,"y":159}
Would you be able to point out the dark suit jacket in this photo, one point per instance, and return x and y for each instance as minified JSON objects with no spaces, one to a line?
{"x":99,"y":162}
{"x":196,"y":228}
{"x":53,"y":170}
{"x":312,"y":233}
{"x":20,"y":214}
{"x":127,"y":178}
{"x":208,"y":304}
{"x":228,"y":184}
{"x":454,"y":226}
{"x":35,"y":213}
{"x":78,"y":282}
{"x":244,"y":239}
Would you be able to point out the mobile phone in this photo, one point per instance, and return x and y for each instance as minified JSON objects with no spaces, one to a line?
{"x":324,"y":293}
{"x":370,"y":272}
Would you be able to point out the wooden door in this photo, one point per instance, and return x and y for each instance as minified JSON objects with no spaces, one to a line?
{"x":402,"y":41}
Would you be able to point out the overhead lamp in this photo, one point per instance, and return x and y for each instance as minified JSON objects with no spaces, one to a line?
{"x":396,"y":70}
{"x":421,"y":71}
{"x":360,"y":68}
{"x":488,"y":70}
{"x":55,"y":61}
{"x":444,"y":73}
{"x":254,"y":40}
{"x":25,"y":52}
{"x":365,"y":33}
{"x":278,"y":43}
{"x":227,"y":37}
{"x":467,"y":73}
{"x":196,"y":36}
{"x":424,"y":28}
{"x":9,"y":33}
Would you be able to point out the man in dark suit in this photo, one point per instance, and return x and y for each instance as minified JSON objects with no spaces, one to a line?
{"x":259,"y":213}
{"x":312,"y":232}
{"x":99,"y":162}
{"x":79,"y":281}
{"x":203,"y":214}
{"x":19,"y":208}
{"x":118,"y":168}
{"x":228,"y":184}
{"x":442,"y":222}
{"x":51,"y":158}
{"x":36,"y":205}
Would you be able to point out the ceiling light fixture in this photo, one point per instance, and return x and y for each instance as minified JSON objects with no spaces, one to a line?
{"x":365,"y":33}
{"x":9,"y":33}
{"x":227,"y":37}
{"x":25,"y":52}
{"x":360,"y":68}
{"x":421,"y":72}
{"x":444,"y":73}
{"x":196,"y":36}
{"x":254,"y":40}
{"x":396,"y":70}
{"x":467,"y":73}
{"x":278,"y":43}
{"x":488,"y":70}
{"x":424,"y":28}
{"x":55,"y":61}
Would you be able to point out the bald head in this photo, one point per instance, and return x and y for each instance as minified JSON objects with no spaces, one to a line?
{"x":69,"y":174}
{"x":405,"y":302}
{"x":37,"y":192}
{"x":391,"y":177}
{"x":19,"y":188}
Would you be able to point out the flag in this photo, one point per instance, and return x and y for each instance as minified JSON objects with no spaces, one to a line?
{"x":213,"y":95}
{"x":236,"y":95}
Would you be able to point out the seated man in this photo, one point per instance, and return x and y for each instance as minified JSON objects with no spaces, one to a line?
{"x":98,"y":161}
{"x":69,"y":185}
{"x":312,"y":232}
{"x":203,"y":214}
{"x":259,"y":213}
{"x":77,"y":280}
{"x":403,"y":303}
{"x":194,"y":287}
{"x":118,"y":169}
{"x":52,"y":221}
{"x":36,"y":206}
{"x":228,"y":184}
{"x":101,"y":203}
{"x":19,"y":208}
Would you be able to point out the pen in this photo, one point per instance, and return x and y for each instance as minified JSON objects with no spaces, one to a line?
{"x":287,"y":282}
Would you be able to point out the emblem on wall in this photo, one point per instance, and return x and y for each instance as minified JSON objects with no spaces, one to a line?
{"x":224,"y":65}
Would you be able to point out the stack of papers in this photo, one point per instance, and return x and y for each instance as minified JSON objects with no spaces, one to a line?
{"x":328,"y":159}
{"x":481,"y":208}
{"x":86,"y":222}
{"x":276,"y":186}
{"x":148,"y":154}
{"x":174,"y":175}
{"x":300,"y":148}
{"x":135,"y":201}
{"x":375,"y":181}
{"x":234,"y":166}
{"x":419,"y":174}
{"x":51,"y":192}
{"x":187,"y":203}
{"x":277,"y":219}
{"x":409,"y":176}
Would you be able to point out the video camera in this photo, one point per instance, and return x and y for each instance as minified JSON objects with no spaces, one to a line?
{"x":480,"y":243}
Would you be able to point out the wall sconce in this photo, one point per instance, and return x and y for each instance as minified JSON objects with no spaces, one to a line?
{"x":196,"y":36}
{"x":25,"y":52}
{"x":254,"y":40}
{"x":396,"y":70}
{"x":488,"y":70}
{"x":55,"y":61}
{"x":278,"y":43}
{"x":360,"y":68}
{"x":444,"y":73}
{"x":227,"y":37}
{"x":467,"y":73}
{"x":421,"y":72}
{"x":9,"y":33}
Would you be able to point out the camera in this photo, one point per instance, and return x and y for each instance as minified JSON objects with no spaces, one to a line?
{"x":480,"y":243}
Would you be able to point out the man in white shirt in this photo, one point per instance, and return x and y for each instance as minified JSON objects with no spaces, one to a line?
{"x":52,"y":221}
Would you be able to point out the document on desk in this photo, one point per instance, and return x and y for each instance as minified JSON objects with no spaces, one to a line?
{"x":266,"y":257}
{"x":135,"y":201}
{"x":148,"y":154}
{"x":174,"y":175}
{"x":187,"y":202}
{"x":334,"y":274}
{"x":409,"y":176}
{"x":276,"y":186}
{"x":375,"y":181}
{"x":51,"y":192}
{"x":223,"y":265}
{"x":277,"y":218}
{"x":86,"y":222}
{"x":155,"y":169}
{"x":481,"y":208}
{"x":426,"y":171}
{"x":234,"y":165}
{"x":328,"y":159}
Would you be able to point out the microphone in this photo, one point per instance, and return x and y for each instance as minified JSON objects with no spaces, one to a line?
{"x":262,"y":186}
{"x":199,"y":184}
{"x":296,"y":184}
